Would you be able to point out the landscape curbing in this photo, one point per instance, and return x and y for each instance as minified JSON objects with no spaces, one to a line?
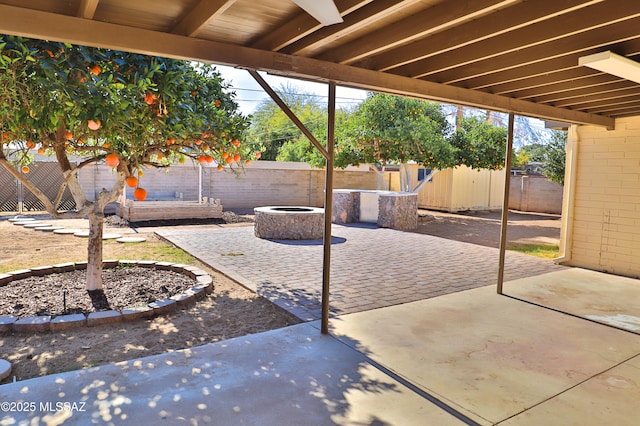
{"x":203,"y":284}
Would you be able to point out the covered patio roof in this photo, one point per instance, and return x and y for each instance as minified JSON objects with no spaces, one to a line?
{"x":504,"y":55}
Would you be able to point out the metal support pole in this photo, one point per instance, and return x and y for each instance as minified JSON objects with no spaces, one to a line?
{"x":505,"y":203}
{"x":328,"y":201}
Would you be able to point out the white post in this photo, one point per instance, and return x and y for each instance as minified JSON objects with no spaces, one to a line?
{"x":199,"y":183}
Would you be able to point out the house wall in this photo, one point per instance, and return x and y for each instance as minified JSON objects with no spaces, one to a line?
{"x":602,"y":226}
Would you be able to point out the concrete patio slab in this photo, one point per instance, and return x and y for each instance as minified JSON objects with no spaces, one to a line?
{"x":611,"y":398}
{"x":289,"y":376}
{"x":492,"y":357}
{"x":580,"y":292}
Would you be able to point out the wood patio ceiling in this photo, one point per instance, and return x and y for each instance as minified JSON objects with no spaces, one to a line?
{"x":505,"y":55}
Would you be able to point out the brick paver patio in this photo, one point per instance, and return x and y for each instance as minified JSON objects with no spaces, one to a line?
{"x":370,"y":267}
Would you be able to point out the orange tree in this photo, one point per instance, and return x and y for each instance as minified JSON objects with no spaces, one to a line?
{"x":128,"y":110}
{"x":387,"y":129}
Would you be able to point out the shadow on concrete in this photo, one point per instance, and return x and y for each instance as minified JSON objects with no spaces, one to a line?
{"x":334,"y":240}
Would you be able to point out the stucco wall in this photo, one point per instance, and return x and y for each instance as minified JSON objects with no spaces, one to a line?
{"x":603,"y":214}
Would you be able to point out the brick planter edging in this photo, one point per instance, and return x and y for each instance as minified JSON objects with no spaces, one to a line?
{"x":203,"y":284}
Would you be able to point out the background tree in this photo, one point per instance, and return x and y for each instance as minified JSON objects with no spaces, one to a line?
{"x":555,"y":157}
{"x":273,"y":133}
{"x":131,"y":111}
{"x":479,"y":144}
{"x":386,"y":129}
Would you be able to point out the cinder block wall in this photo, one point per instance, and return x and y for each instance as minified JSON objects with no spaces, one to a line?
{"x":535,"y":194}
{"x":604,"y":215}
{"x":254,"y":186}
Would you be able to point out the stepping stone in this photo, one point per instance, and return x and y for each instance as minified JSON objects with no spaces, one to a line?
{"x":5,"y":368}
{"x":25,"y":222}
{"x":21,"y":219}
{"x":111,"y":236}
{"x":48,"y":228}
{"x":67,"y":231}
{"x":131,"y":240}
{"x":85,"y":234}
{"x":36,"y":224}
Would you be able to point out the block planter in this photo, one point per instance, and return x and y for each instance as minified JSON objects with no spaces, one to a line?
{"x":387,"y":209}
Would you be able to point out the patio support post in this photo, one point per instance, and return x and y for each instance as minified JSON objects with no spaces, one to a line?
{"x":328,"y":204}
{"x":328,"y":154}
{"x":505,"y":203}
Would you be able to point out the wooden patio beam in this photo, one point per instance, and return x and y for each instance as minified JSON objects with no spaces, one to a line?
{"x":48,"y":26}
{"x":200,"y":15}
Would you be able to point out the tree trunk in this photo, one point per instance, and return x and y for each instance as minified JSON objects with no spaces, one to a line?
{"x":94,"y":252}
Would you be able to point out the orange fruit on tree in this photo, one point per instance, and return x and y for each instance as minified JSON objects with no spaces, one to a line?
{"x":208,"y":158}
{"x":236,"y":158}
{"x":95,"y":70}
{"x":202,"y":159}
{"x":25,"y":169}
{"x":140,"y":174}
{"x":132,"y":181}
{"x":229,"y":160}
{"x":258,"y":155}
{"x":218,"y":103}
{"x":94,"y":124}
{"x":30,"y":145}
{"x":220,"y":167}
{"x":150,"y":98}
{"x":40,"y":150}
{"x":140,"y":194}
{"x":225,"y":155}
{"x":112,"y":160}
{"x":247,"y":162}
{"x":68,"y":135}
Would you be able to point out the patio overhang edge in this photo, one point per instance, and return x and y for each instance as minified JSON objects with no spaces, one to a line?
{"x":49,"y":26}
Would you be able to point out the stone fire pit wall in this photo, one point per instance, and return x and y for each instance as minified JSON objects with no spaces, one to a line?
{"x":395,"y":210}
{"x":289,"y":223}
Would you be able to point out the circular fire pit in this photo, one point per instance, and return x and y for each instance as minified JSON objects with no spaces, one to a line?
{"x":289,"y":223}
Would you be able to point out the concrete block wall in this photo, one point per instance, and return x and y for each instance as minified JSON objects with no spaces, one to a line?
{"x":604,"y":212}
{"x":533,"y":193}
{"x":263,"y":185}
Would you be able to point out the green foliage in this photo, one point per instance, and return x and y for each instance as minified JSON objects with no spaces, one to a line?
{"x":532,"y":153}
{"x":550,"y":155}
{"x":479,"y":144}
{"x":147,"y":110}
{"x":554,"y":161}
{"x":384,"y":129}
{"x":391,"y":129}
{"x":273,"y":133}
